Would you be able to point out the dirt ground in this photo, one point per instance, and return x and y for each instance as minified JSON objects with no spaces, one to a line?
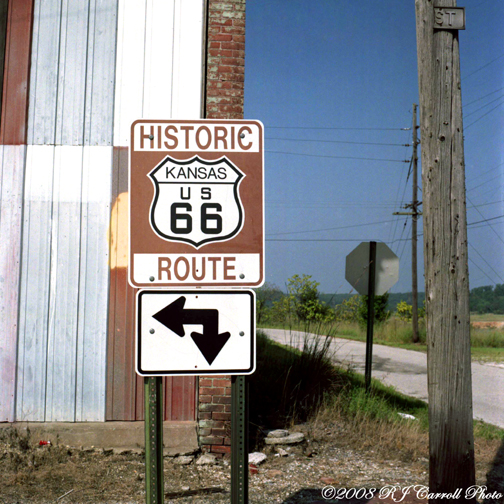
{"x":34,"y":474}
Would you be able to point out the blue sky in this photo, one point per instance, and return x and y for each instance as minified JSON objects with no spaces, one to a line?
{"x":333,"y":81}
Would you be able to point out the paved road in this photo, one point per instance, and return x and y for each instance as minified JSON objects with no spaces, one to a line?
{"x":406,"y":370}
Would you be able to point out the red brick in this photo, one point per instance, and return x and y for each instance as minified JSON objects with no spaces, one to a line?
{"x":212,"y":391}
{"x":235,"y":46}
{"x":211,"y":440}
{"x":221,"y":400}
{"x":227,"y":408}
{"x":221,"y":22}
{"x":222,"y":382}
{"x":205,"y":415}
{"x":219,"y":432}
{"x":221,"y":6}
{"x":205,"y":398}
{"x":215,"y":424}
{"x":221,"y":449}
{"x":225,"y":37}
{"x":227,"y":441}
{"x":205,"y":382}
{"x":221,"y":416}
{"x":206,"y":431}
{"x":233,"y":30}
{"x":233,"y":15}
{"x":233,"y":61}
{"x":218,"y":408}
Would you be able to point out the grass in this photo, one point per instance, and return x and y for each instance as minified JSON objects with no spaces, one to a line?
{"x":487,"y":344}
{"x":293,"y":386}
{"x":487,"y":317}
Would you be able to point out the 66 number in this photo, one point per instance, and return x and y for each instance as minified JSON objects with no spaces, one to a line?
{"x":181,"y":219}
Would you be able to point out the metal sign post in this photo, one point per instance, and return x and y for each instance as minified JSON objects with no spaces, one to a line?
{"x":154,"y":481}
{"x":371,"y":314}
{"x":372,"y":269}
{"x":239,"y":440}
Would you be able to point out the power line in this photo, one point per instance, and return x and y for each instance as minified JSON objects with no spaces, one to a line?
{"x":488,"y":171}
{"x":318,"y":239}
{"x":483,"y":106}
{"x":493,"y":281}
{"x":485,"y":261}
{"x":482,"y":97}
{"x":487,"y":204}
{"x":330,"y":229}
{"x":474,"y":122}
{"x":487,"y":220}
{"x":484,"y":66}
{"x":338,"y":157}
{"x":337,"y":141}
{"x":336,"y":128}
{"x":483,"y":183}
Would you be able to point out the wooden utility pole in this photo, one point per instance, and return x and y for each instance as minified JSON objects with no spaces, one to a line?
{"x":414,"y":240}
{"x":414,"y":234}
{"x":445,"y":254}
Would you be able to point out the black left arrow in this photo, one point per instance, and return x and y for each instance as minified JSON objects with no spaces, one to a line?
{"x":209,"y":342}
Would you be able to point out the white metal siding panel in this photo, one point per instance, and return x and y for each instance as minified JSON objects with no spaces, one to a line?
{"x":72,"y":72}
{"x":64,"y":281}
{"x":187,"y":59}
{"x":159,"y":62}
{"x":72,"y":76}
{"x":12,"y":160}
{"x":158,"y":59}
{"x":44,"y":72}
{"x":64,"y":286}
{"x":35,"y":281}
{"x":130,"y":67}
{"x":93,"y":292}
{"x":99,"y":104}
{"x":63,"y":322}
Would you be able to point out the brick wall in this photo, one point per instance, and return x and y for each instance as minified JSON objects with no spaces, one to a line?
{"x":224,"y":100}
{"x":214,"y":414}
{"x":226,"y":59}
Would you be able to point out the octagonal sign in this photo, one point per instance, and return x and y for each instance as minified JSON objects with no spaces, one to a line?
{"x":357,"y":268}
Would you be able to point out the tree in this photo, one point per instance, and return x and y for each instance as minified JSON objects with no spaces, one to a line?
{"x":265,"y":297}
{"x":380,"y":308}
{"x":304,"y":296}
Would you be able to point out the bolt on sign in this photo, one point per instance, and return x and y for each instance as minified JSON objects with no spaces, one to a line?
{"x":196,"y":203}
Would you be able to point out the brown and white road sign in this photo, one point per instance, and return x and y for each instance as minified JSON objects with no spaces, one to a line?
{"x":196,"y":203}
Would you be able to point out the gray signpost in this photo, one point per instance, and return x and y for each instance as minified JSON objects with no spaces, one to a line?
{"x":372,"y":269}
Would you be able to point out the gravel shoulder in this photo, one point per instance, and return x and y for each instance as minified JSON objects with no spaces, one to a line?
{"x":49,"y":474}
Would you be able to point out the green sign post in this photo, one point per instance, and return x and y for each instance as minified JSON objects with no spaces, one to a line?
{"x":239,"y":440}
{"x":154,"y":481}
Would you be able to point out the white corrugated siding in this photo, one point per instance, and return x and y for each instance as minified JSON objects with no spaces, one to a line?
{"x":12,"y":160}
{"x":64,"y":274}
{"x":158,"y":76}
{"x":79,"y":68}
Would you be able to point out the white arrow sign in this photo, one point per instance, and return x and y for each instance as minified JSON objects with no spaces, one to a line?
{"x":195,"y":332}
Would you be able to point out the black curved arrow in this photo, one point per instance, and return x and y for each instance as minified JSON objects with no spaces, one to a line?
{"x":209,"y":342}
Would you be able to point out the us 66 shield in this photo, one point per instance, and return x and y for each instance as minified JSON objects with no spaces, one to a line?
{"x":196,"y":203}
